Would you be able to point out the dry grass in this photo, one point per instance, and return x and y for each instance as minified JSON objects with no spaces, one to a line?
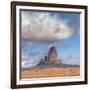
{"x":51,"y":72}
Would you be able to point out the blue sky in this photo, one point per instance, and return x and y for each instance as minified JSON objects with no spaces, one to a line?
{"x":42,"y":30}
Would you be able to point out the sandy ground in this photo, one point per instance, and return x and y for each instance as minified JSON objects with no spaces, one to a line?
{"x":50,"y":72}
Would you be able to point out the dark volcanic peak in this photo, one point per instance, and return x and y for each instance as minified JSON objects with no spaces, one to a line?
{"x":52,"y":60}
{"x":52,"y":55}
{"x":52,"y":49}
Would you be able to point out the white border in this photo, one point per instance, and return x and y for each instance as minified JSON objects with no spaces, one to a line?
{"x":51,"y":79}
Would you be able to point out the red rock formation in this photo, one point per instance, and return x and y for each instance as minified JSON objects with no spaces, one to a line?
{"x":52,"y":55}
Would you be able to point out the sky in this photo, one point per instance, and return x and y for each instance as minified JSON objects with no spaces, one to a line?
{"x":41,"y":30}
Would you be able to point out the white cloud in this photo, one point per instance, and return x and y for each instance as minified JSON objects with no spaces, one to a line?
{"x":44,"y":27}
{"x":27,"y":62}
{"x":71,"y":61}
{"x":58,"y":45}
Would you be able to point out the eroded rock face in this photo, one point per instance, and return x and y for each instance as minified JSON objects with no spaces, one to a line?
{"x":52,"y":55}
{"x":51,"y":59}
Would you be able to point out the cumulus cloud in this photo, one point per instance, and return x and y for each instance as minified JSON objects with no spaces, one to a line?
{"x":71,"y":61}
{"x":58,"y":45}
{"x":35,"y":53}
{"x":27,"y":62}
{"x":44,"y":27}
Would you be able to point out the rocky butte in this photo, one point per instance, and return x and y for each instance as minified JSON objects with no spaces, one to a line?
{"x":51,"y":60}
{"x":52,"y":57}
